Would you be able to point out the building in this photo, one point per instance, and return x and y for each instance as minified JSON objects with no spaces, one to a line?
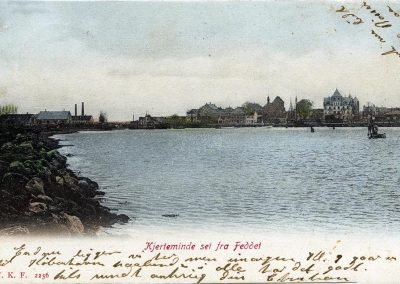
{"x":373,"y":110}
{"x":274,"y":112}
{"x":235,"y":116}
{"x":150,"y":122}
{"x":81,"y":119}
{"x":340,"y":108}
{"x":192,"y":116}
{"x":207,"y":114}
{"x":16,"y":119}
{"x":53,"y":118}
{"x":210,"y":114}
{"x":252,"y":119}
{"x":382,"y":115}
{"x":291,"y":115}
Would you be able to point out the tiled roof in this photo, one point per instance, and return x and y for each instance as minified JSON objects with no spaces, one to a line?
{"x":336,"y":94}
{"x":53,"y":115}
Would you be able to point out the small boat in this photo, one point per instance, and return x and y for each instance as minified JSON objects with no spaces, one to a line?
{"x":376,"y":135}
{"x":373,"y":129}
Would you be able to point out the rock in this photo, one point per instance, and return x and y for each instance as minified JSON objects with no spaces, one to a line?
{"x":67,"y":205}
{"x":37,"y":207}
{"x":35,"y":186}
{"x":25,"y":148}
{"x":44,"y":198}
{"x":89,"y":210}
{"x":3,"y":167}
{"x":108,"y":219}
{"x":92,"y":184}
{"x":43,"y":154}
{"x":8,"y":209}
{"x":15,"y":230}
{"x":74,"y":224}
{"x":56,"y":159}
{"x":69,"y":181}
{"x":44,"y":163}
{"x":88,"y":187}
{"x":19,"y":137}
{"x":55,"y":209}
{"x":37,"y":189}
{"x":83,"y":184}
{"x":59,"y":180}
{"x":19,"y":202}
{"x":122,"y":218}
{"x":13,"y":182}
{"x":31,"y":165}
{"x":46,"y":172}
{"x":7,"y":147}
{"x":19,"y":168}
{"x":5,"y":195}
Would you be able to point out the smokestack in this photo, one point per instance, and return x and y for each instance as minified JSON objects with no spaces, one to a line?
{"x":83,"y":108}
{"x":76,"y":110}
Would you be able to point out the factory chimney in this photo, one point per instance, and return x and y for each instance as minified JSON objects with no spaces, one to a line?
{"x":83,"y":108}
{"x":76,"y":110}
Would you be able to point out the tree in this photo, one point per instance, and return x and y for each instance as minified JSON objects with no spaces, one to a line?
{"x":102,"y":117}
{"x":251,"y":108}
{"x":304,"y":108}
{"x":176,"y":120}
{"x":8,"y":109}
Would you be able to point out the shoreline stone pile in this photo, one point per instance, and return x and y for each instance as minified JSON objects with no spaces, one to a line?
{"x":39,"y":194}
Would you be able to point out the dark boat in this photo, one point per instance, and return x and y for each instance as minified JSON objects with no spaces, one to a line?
{"x":376,"y":135}
{"x":373,"y":130}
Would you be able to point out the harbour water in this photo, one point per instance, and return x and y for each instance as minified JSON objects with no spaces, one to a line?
{"x":245,"y":179}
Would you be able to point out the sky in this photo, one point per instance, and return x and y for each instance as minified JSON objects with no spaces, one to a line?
{"x":129,"y":58}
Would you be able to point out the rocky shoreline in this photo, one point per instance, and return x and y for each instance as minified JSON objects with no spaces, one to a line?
{"x":40,"y":195}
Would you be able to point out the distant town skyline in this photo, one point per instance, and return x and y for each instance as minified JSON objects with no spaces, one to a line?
{"x":127,"y":58}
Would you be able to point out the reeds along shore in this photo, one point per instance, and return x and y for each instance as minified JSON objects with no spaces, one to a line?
{"x":40,"y":195}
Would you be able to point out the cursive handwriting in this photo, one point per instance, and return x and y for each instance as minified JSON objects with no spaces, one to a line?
{"x":241,"y":265}
{"x":379,"y":22}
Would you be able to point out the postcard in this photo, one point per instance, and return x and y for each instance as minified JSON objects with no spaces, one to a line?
{"x":199,"y":141}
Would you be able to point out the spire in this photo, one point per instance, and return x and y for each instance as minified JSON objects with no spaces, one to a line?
{"x":336,"y":93}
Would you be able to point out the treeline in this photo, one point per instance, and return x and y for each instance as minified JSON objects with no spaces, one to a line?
{"x":8,"y":109}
